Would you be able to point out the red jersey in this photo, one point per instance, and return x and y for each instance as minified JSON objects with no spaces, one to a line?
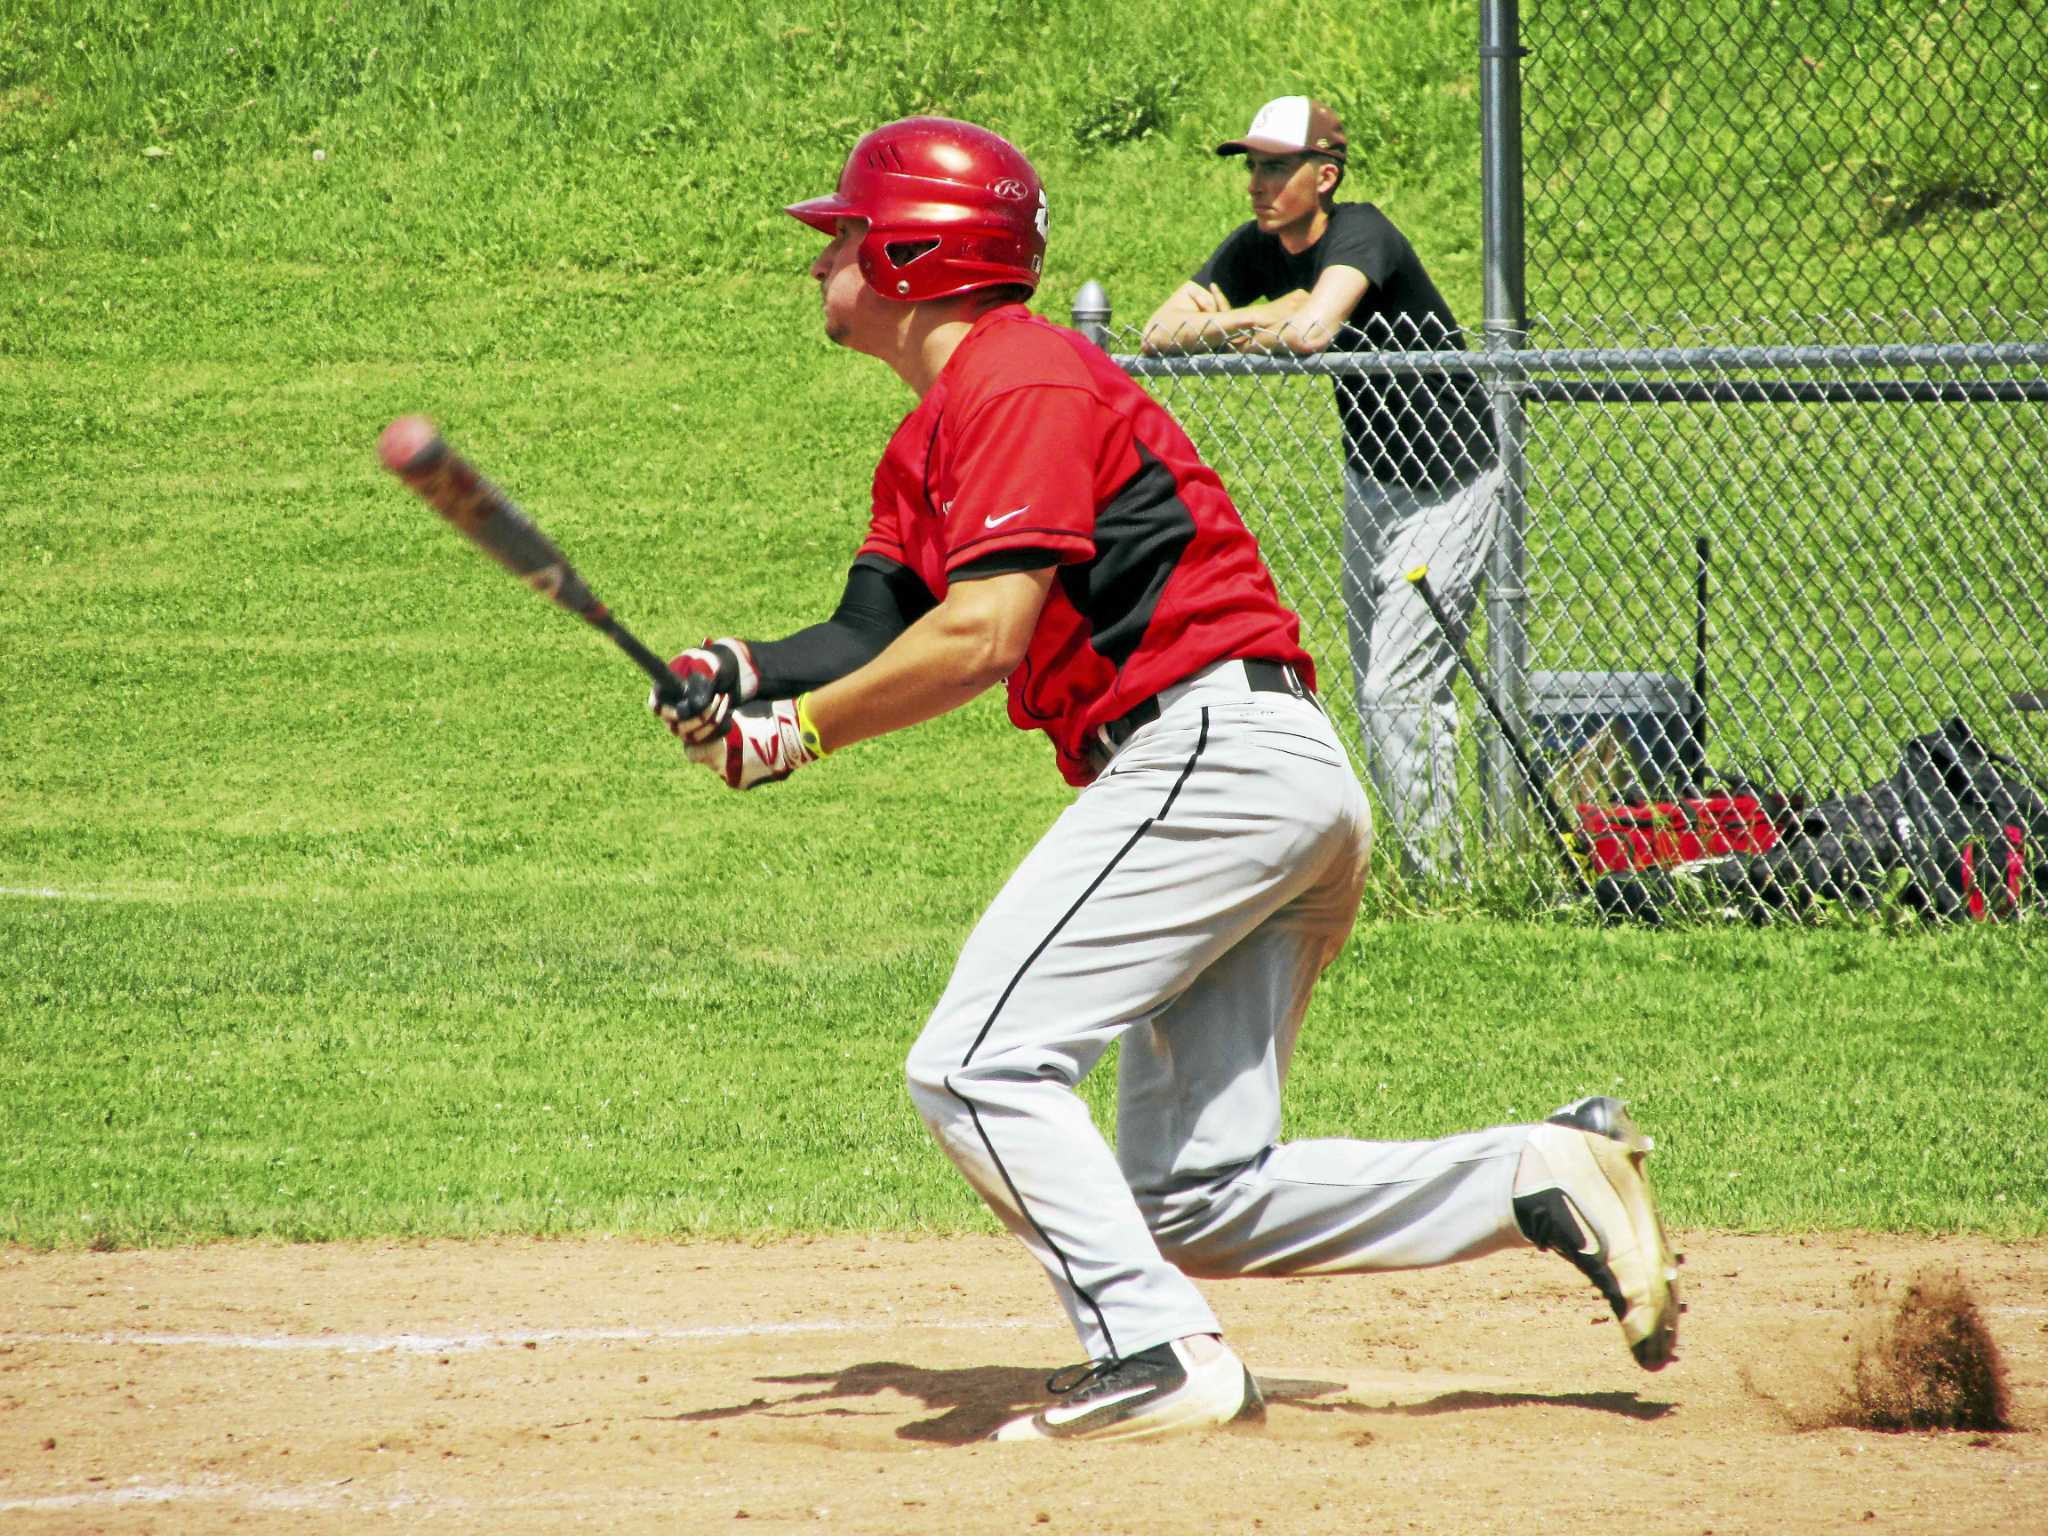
{"x":1032,"y":440}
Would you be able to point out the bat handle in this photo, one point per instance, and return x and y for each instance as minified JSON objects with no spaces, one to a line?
{"x":1559,"y":824}
{"x":692,"y":696}
{"x":687,"y":696}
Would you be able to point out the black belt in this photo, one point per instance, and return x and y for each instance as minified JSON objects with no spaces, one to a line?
{"x":1259,"y":676}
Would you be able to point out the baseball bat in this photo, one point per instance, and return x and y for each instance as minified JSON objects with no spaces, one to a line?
{"x":1560,"y":825}
{"x":414,"y":451}
{"x":1700,"y":551}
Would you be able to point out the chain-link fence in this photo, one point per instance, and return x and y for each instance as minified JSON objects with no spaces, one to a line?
{"x":1775,"y":159}
{"x":1770,"y":503}
{"x":1740,"y":565}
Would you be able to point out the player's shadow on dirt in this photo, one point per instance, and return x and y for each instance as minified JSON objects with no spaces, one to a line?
{"x":971,"y":1402}
{"x":1627,"y":1404}
{"x":1302,"y":1395}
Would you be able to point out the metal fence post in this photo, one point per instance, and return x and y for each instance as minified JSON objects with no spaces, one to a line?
{"x":1506,"y":324}
{"x":1091,"y":313}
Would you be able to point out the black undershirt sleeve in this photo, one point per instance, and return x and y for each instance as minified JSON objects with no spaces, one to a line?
{"x":1005,"y":562}
{"x":882,"y":599}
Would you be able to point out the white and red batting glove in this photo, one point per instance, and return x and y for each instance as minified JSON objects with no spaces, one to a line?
{"x":734,"y":678}
{"x":758,"y":747}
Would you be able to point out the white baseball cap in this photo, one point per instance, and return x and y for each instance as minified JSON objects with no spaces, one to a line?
{"x":1291,"y":125}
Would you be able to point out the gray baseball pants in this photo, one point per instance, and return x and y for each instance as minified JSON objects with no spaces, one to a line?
{"x":1183,"y":906}
{"x":1401,"y":661}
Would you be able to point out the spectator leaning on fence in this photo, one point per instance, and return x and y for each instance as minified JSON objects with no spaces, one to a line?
{"x":1422,"y":477}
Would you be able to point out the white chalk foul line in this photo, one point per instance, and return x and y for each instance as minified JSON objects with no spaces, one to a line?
{"x":331,"y":1496}
{"x":454,"y":1343}
{"x":47,"y":893}
{"x":405,"y":1343}
{"x":178,"y":1493}
{"x":457,"y":1343}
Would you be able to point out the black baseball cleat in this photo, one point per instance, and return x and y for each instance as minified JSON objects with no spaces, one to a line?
{"x":1157,"y":1391}
{"x":1599,"y":1214}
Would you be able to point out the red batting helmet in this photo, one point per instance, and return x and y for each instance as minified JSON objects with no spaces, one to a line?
{"x":950,"y":207}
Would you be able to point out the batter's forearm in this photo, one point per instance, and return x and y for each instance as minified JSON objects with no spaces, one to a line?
{"x":931,"y":669}
{"x":963,"y":647}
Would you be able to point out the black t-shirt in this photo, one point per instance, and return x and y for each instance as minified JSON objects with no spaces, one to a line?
{"x":1401,"y":429}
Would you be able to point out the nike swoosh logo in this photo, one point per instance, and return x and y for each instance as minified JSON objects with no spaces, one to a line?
{"x":997,"y":522}
{"x":1066,"y":1415}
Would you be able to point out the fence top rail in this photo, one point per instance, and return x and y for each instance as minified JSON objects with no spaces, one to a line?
{"x":1947,"y":356}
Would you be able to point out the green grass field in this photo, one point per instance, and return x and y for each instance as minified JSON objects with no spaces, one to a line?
{"x":348,"y":890}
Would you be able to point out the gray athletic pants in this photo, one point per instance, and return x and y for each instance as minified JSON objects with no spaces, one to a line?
{"x":1184,"y":905}
{"x":1400,"y":660}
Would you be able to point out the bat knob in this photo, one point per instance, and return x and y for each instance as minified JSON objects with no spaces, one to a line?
{"x":408,"y":444}
{"x":693,"y":695}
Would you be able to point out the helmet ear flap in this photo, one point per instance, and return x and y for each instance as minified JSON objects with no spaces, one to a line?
{"x":901,"y":254}
{"x":886,"y":258}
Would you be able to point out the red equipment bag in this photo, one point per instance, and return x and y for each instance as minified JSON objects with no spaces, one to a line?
{"x":1619,"y":838}
{"x":2008,"y":895}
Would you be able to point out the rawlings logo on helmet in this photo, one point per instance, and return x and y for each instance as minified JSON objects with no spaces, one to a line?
{"x":1010,"y":189}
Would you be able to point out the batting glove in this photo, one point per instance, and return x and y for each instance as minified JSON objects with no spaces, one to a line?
{"x":729,"y":666}
{"x":762,"y":746}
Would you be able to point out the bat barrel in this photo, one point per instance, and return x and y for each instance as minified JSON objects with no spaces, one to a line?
{"x":410,"y":447}
{"x":415,"y":451}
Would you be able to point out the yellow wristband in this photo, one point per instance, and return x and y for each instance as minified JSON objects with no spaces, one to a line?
{"x":807,"y":732}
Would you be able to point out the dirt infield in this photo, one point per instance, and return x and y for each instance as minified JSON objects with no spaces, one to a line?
{"x":847,"y":1385}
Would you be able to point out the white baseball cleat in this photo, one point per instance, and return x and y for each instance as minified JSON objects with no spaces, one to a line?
{"x":1158,"y":1391}
{"x":1594,"y":1207}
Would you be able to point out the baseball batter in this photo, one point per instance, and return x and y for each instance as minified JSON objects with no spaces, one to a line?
{"x":1039,"y":519}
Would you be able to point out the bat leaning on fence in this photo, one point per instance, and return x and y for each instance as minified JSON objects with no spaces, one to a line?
{"x":415,"y":452}
{"x":1569,"y":843}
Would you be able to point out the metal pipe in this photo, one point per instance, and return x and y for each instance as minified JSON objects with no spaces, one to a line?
{"x":1787,"y":391}
{"x":1524,"y":362}
{"x":1091,"y":313}
{"x":1503,"y":257}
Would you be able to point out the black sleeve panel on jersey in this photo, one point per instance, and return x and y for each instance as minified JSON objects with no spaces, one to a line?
{"x":882,"y":599}
{"x":1140,"y":537}
{"x":1004,"y":562}
{"x":1232,"y":268}
{"x":1361,"y":237}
